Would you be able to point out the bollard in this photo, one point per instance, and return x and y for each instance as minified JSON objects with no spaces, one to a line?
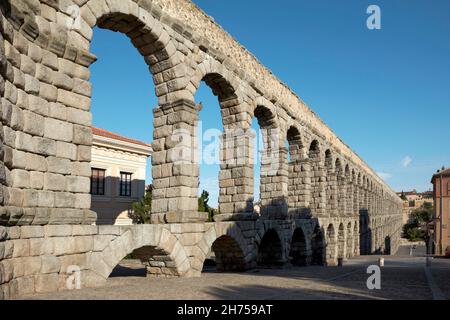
{"x":381,"y":262}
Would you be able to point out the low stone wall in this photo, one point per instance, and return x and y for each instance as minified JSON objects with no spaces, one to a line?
{"x":35,"y":259}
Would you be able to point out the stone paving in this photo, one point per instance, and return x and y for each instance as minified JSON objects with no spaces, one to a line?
{"x":403,"y":277}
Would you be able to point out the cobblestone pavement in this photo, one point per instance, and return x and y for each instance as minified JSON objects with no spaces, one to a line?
{"x":403,"y":277}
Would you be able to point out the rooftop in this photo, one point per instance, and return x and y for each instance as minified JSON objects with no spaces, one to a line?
{"x":111,"y":135}
{"x":444,"y":172}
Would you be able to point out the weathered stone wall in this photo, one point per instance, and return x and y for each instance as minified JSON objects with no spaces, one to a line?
{"x":46,"y":143}
{"x":36,"y":259}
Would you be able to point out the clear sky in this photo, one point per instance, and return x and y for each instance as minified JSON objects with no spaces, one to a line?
{"x":385,"y":92}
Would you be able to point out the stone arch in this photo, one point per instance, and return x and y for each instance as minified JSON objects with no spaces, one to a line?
{"x":340,"y":193}
{"x":273,"y":192}
{"x":318,"y":246}
{"x":295,"y":143}
{"x":270,"y":249}
{"x":154,"y":245}
{"x":298,"y":187}
{"x":147,"y":34}
{"x":218,"y":238}
{"x":228,"y":254}
{"x":347,"y":191}
{"x":331,"y":253}
{"x":318,"y":183}
{"x":341,"y":243}
{"x":331,"y":188}
{"x":176,"y":114}
{"x":223,"y":83}
{"x":234,"y":140}
{"x":299,"y":254}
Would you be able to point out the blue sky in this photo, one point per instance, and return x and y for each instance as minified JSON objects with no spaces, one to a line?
{"x":385,"y":92}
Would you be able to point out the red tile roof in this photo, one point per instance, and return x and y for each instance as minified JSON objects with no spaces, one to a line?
{"x":111,"y":135}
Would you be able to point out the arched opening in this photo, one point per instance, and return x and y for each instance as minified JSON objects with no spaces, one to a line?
{"x":267,"y":161}
{"x":121,"y":122}
{"x":146,"y":261}
{"x":349,"y":250}
{"x":331,"y":199}
{"x":299,"y":254}
{"x":331,"y":245}
{"x":317,"y":244}
{"x":296,"y":176}
{"x":341,"y":241}
{"x":220,"y":135}
{"x":348,"y":192}
{"x":210,"y":130}
{"x":226,"y":256}
{"x":317,"y":183}
{"x":340,"y":188}
{"x":270,"y":251}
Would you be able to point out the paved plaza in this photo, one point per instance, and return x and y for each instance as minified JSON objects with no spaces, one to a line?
{"x":403,"y":277}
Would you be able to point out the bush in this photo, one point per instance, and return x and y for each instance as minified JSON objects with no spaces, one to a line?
{"x":142,"y":210}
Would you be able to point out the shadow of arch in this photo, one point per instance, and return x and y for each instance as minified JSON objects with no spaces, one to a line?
{"x":299,"y":254}
{"x":227,"y":242}
{"x":228,"y":255}
{"x":387,"y":245}
{"x":318,"y":245}
{"x":270,"y":250}
{"x":155,"y":246}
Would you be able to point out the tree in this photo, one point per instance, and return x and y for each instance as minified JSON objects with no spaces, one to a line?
{"x":417,"y":229}
{"x":403,"y":196}
{"x":204,"y":207}
{"x":141,"y":213}
{"x":203,"y":202}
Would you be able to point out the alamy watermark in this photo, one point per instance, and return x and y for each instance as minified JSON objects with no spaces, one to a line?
{"x":73,"y":281}
{"x":374,"y":280}
{"x":374,"y":19}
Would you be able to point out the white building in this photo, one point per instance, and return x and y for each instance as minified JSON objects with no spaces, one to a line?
{"x":118,"y":176}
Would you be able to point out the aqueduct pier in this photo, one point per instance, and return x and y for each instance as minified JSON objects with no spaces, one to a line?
{"x":322,"y":204}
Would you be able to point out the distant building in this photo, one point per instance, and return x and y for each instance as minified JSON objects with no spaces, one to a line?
{"x":413,"y":201}
{"x":441,"y":192}
{"x":118,"y":176}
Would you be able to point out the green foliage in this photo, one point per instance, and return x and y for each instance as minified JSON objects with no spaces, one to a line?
{"x":204,"y":207}
{"x":203,"y":202}
{"x":424,"y":214}
{"x":416,"y":230}
{"x":141,"y":213}
{"x":413,"y":233}
{"x":403,"y":197}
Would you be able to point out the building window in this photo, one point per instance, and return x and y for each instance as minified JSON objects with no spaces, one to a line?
{"x":125,"y":184}
{"x":98,"y":182}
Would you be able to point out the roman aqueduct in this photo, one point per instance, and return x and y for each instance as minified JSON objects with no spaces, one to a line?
{"x":322,"y":204}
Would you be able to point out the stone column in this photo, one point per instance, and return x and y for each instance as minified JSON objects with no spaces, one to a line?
{"x":274,"y":184}
{"x":236,"y":176}
{"x":349,"y":191}
{"x":355,"y":212}
{"x":342,"y":193}
{"x":175,"y":164}
{"x":321,"y":192}
{"x":300,"y":189}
